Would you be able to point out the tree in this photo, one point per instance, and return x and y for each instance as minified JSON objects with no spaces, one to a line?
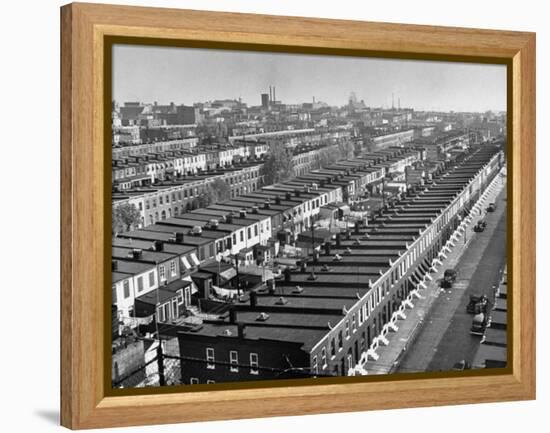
{"x":125,"y":217}
{"x":214,"y":192}
{"x":278,"y":165}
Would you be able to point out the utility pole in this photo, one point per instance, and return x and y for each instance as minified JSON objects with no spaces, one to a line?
{"x":160,"y":360}
{"x":312,"y":276}
{"x":236,"y":256}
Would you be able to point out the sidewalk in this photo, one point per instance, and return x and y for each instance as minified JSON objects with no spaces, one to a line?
{"x":400,"y":340}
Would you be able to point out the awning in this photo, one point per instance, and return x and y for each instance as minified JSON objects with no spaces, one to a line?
{"x":228,"y":274}
{"x":185,"y":263}
{"x":195,"y":260}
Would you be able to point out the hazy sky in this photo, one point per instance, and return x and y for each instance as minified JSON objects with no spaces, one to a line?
{"x":187,"y":75}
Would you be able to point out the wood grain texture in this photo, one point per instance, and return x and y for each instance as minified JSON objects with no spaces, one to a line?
{"x":84,"y":403}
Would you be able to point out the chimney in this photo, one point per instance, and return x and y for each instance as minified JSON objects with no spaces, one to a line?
{"x":233,"y":315}
{"x":337,"y":239}
{"x":287,"y":275}
{"x":158,"y":245}
{"x":277,"y":200}
{"x":253,"y":299}
{"x":241,"y":330}
{"x":327,"y":248}
{"x":179,"y":237}
{"x":297,"y":192}
{"x":267,"y":204}
{"x":288,"y":195}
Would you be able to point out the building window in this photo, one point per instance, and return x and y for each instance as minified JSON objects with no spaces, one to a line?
{"x":256,"y":230}
{"x":151,"y":279}
{"x":340,"y":340}
{"x":314,"y":365}
{"x":234,"y":361}
{"x":173,"y":268}
{"x":249,"y":232}
{"x":126,"y":285}
{"x":323,"y":357}
{"x":347,"y":329}
{"x":140,"y":284}
{"x":180,"y":296}
{"x":162,"y":271}
{"x":332,"y":348}
{"x":194,"y":381}
{"x":234,"y":238}
{"x":242,"y":235}
{"x":210,"y":358}
{"x":353,"y":323}
{"x":253,"y":363}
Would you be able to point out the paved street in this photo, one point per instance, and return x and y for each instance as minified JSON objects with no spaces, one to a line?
{"x":445,"y":337}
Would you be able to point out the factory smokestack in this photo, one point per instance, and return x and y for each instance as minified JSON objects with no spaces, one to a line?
{"x":274,"y":97}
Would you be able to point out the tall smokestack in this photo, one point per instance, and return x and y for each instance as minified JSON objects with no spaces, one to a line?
{"x":274,"y":97}
{"x":392,"y":102}
{"x":399,"y":103}
{"x":270,"y":98}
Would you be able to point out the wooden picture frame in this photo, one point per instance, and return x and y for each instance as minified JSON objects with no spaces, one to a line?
{"x":85,"y":247}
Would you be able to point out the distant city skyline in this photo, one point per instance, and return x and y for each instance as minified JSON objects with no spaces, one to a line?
{"x":186,"y":76}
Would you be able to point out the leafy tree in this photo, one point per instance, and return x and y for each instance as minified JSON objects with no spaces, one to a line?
{"x":124,"y":217}
{"x":278,"y":165}
{"x":214,"y":192}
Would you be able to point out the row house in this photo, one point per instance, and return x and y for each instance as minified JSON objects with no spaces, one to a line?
{"x":327,"y":317}
{"x":186,"y":143}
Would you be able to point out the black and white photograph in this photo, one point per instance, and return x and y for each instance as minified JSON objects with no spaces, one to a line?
{"x":305,"y":216}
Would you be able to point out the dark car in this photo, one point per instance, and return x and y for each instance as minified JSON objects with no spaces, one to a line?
{"x":480,"y":226}
{"x":492,"y":207}
{"x":449,"y":277}
{"x":478,"y":304}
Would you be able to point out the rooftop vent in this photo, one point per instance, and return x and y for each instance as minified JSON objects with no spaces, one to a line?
{"x":298,"y":289}
{"x":196,"y":230}
{"x":114,"y":265}
{"x":262,"y":317}
{"x":281,"y":301}
{"x":136,"y":253}
{"x":242,"y":213}
{"x":213,"y":223}
{"x":337,"y":258}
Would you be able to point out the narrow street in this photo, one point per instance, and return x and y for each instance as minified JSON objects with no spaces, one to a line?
{"x":445,"y":337}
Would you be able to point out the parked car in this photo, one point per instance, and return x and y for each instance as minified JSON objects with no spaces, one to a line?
{"x":477,"y":304}
{"x":462,"y":365}
{"x":492,"y":207}
{"x":449,"y":277}
{"x":480,"y":226}
{"x":479,"y":323}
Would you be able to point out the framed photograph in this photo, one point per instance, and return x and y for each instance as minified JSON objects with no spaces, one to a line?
{"x":266,"y":216}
